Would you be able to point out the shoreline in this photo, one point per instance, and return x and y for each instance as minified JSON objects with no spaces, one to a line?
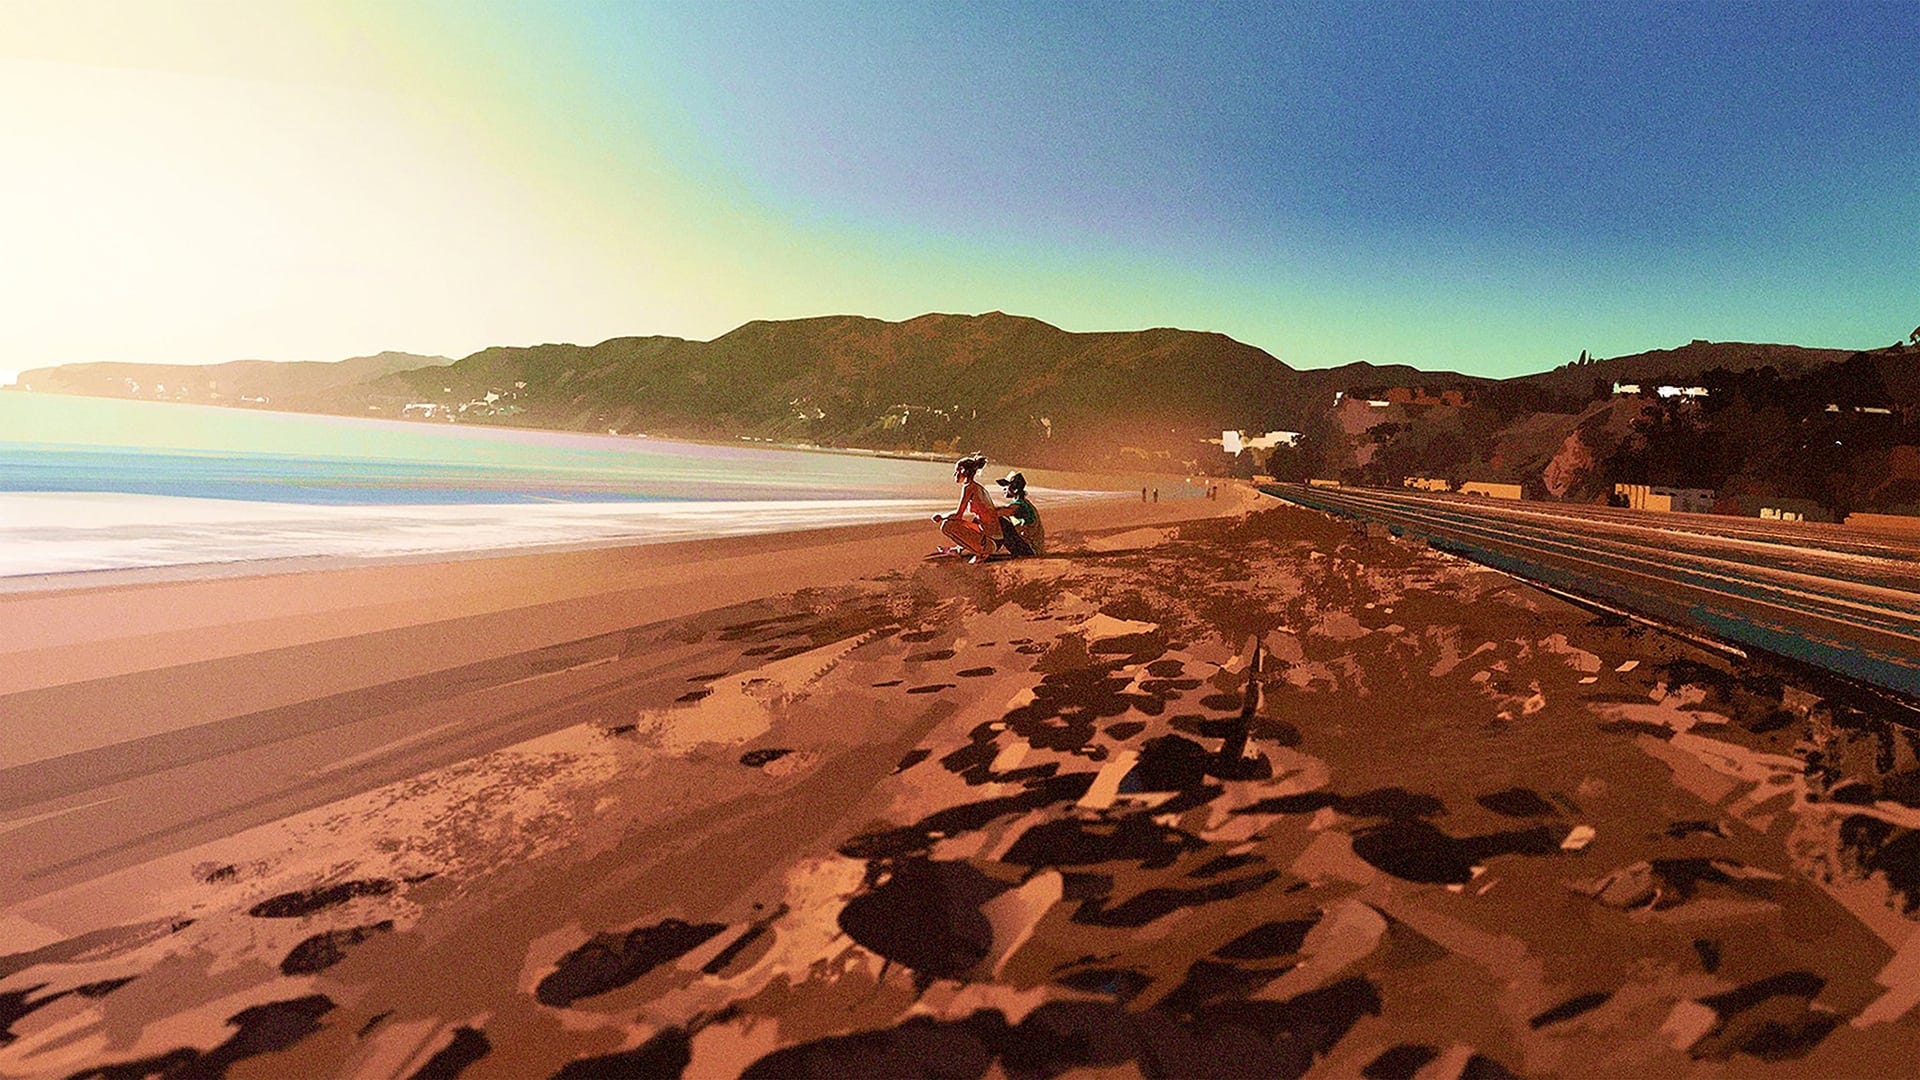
{"x":697,"y":490}
{"x":66,"y":581}
{"x":72,"y":633}
{"x":676,"y":522}
{"x":619,"y":442}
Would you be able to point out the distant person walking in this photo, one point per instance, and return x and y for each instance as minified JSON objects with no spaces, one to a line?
{"x":968,"y":524}
{"x":1021,"y":533}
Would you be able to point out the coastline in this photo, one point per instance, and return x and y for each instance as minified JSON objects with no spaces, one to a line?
{"x":1040,"y":476}
{"x":365,"y":498}
{"x":74,"y":630}
{"x":181,"y":537}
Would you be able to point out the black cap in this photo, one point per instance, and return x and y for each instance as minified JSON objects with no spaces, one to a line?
{"x":1012,"y":480}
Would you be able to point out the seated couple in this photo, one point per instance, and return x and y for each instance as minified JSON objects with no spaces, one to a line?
{"x":978,"y":528}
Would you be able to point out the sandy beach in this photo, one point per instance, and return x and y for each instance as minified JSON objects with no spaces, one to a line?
{"x":1217,"y":788}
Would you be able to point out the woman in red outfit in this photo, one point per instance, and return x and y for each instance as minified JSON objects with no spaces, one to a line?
{"x":975,"y":522}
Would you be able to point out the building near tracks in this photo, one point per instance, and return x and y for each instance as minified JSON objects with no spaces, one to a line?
{"x":1772,"y":508}
{"x":1318,"y":482}
{"x":1490,"y":490}
{"x":1426,"y":483}
{"x":1642,"y":497}
{"x":1666,"y":500}
{"x":1689,"y":500}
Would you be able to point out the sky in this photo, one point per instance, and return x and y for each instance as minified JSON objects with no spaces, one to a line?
{"x":1485,"y":187}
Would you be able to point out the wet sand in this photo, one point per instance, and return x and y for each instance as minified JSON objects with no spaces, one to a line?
{"x":1235,"y":796}
{"x":152,"y":709}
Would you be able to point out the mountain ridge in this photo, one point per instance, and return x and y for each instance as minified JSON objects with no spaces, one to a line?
{"x":282,"y":383}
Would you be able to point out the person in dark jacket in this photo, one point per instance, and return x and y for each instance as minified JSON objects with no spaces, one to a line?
{"x":1020,"y":529}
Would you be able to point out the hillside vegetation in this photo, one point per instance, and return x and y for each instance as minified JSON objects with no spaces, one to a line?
{"x":941,"y":383}
{"x":1776,"y":424}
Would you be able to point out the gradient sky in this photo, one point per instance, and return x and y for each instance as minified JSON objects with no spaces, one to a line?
{"x":1484,"y":186}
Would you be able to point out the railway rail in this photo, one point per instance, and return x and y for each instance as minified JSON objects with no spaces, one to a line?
{"x":1814,"y":594}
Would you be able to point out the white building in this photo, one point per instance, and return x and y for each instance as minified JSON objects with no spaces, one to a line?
{"x":1235,"y":441}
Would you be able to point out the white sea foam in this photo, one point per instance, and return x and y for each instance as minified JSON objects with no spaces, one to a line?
{"x":63,"y":533}
{"x":56,"y":533}
{"x":97,"y":484}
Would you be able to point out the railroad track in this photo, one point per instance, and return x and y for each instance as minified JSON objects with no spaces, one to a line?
{"x":1812,"y":594}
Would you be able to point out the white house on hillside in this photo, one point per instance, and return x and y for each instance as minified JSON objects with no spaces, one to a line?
{"x":1235,"y":441}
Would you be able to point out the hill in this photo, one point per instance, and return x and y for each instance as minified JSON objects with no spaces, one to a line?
{"x":300,"y":385}
{"x":1685,"y":365}
{"x":1828,"y":431}
{"x":935,"y":383}
{"x":942,"y":383}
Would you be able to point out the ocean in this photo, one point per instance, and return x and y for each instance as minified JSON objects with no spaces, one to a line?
{"x":96,"y":483}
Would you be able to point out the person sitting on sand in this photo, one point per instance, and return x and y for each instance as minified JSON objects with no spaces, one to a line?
{"x":1019,"y":521}
{"x":967,"y":526}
